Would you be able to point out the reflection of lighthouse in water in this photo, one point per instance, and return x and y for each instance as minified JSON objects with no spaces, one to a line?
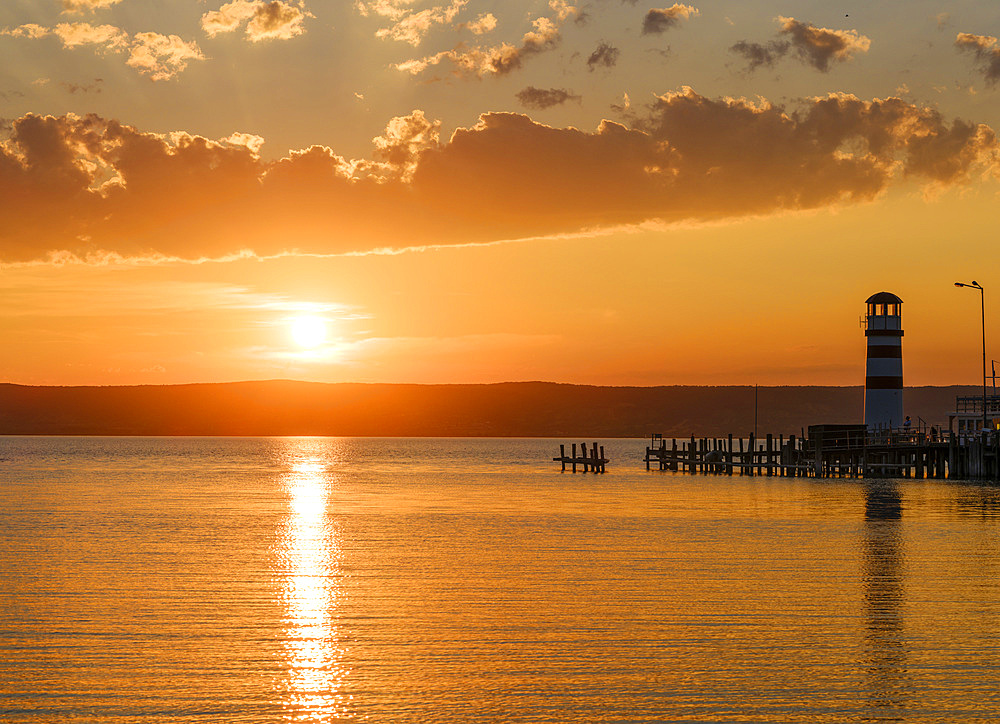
{"x":885,"y":651}
{"x":884,"y":368}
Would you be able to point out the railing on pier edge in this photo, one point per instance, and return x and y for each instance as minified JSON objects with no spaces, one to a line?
{"x":887,"y":453}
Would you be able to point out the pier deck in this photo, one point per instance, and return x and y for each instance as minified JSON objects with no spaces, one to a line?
{"x":834,"y":451}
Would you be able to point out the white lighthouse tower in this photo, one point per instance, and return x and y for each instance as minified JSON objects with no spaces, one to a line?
{"x":884,"y":368}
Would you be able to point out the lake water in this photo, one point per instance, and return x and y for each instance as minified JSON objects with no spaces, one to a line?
{"x":327,"y":579}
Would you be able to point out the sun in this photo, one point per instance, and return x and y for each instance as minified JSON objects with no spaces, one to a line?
{"x":308,"y":331}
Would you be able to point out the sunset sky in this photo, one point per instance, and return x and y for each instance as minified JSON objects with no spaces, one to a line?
{"x":602,"y":192}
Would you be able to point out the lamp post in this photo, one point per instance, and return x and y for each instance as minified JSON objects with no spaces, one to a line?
{"x":982,"y":303}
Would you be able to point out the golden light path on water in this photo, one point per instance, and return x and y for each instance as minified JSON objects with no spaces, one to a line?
{"x":311,"y":558}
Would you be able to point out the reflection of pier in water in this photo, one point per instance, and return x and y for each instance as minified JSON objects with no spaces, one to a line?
{"x":885,"y":648}
{"x":310,"y":557}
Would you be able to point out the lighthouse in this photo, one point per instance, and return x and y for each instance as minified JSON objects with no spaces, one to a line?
{"x":884,"y":367}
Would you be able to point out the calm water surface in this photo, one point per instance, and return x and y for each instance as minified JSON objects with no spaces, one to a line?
{"x":325,"y":579}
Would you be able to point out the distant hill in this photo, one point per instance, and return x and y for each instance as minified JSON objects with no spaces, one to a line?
{"x":512,"y":409}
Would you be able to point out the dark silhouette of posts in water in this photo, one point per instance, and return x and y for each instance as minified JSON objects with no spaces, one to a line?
{"x":836,"y":451}
{"x":592,"y":460}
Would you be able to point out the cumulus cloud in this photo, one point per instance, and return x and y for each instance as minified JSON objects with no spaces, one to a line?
{"x":485,"y":23}
{"x":87,"y":6}
{"x":477,"y":61}
{"x":275,"y":20}
{"x":604,"y":56}
{"x":986,"y":50}
{"x":660,"y":20}
{"x":814,"y":46}
{"x":229,"y":17}
{"x":105,"y":37}
{"x":819,"y":46}
{"x":88,"y":187}
{"x":160,"y":57}
{"x":540,"y":98}
{"x":404,"y":141}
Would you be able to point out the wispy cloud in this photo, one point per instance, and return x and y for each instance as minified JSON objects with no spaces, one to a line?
{"x":541,"y":98}
{"x":160,"y":57}
{"x":604,"y":56}
{"x":261,"y":20}
{"x":477,"y":61}
{"x":411,"y":27}
{"x":87,"y":6}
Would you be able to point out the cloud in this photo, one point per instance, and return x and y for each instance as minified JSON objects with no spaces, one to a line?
{"x":74,"y":88}
{"x":392,"y":9}
{"x":161,"y":57}
{"x":814,"y":46}
{"x":412,"y":27}
{"x":485,"y":23}
{"x":229,"y":17}
{"x":541,"y":99}
{"x":86,"y":187}
{"x":659,"y":20}
{"x":107,"y":37}
{"x":605,"y":56}
{"x":819,"y":46}
{"x":404,"y":141}
{"x":987,"y":52}
{"x":87,"y":6}
{"x":275,"y":20}
{"x":476,"y":61}
{"x":758,"y":54}
{"x":28,"y":30}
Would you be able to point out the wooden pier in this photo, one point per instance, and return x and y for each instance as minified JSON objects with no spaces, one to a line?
{"x":830,"y":451}
{"x":592,"y":460}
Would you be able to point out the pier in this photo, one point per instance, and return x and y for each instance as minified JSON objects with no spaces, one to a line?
{"x":835,"y":451}
{"x":591,"y":461}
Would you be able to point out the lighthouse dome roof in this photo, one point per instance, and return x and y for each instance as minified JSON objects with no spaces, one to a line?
{"x":883,"y":298}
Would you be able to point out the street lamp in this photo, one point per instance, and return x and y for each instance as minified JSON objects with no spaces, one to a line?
{"x":982,"y":303}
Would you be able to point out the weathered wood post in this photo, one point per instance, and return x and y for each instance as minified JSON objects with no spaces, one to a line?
{"x":562,"y":455}
{"x":574,"y":457}
{"x":770,"y":452}
{"x":818,"y":463}
{"x":729,"y":456}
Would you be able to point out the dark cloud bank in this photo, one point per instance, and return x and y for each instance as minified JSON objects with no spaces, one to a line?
{"x":88,"y":185}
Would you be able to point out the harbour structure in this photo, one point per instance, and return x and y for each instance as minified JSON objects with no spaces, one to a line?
{"x":884,"y":363}
{"x":882,"y":446}
{"x":833,"y":451}
{"x":967,"y":419}
{"x":592,"y":460}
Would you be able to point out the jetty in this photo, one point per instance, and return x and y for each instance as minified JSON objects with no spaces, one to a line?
{"x":592,"y":460}
{"x":833,"y":451}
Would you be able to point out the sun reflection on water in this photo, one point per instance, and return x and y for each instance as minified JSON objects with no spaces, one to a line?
{"x":311,"y":591}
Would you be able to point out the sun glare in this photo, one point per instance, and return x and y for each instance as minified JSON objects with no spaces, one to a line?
{"x":308,"y":331}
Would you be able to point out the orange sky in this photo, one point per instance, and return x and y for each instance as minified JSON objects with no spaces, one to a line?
{"x":474,"y":192}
